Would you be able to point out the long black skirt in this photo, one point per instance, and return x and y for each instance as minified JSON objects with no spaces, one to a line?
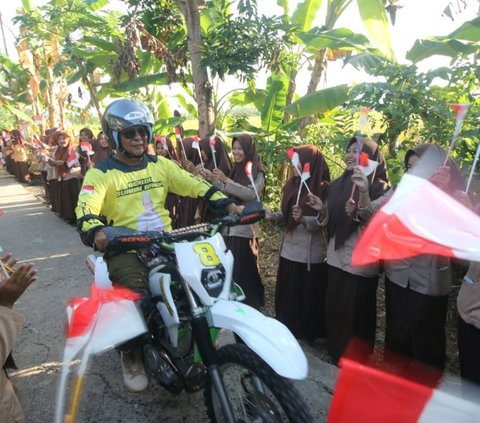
{"x":415,"y":325}
{"x":69,"y":191}
{"x":300,"y":298}
{"x":468,"y":354}
{"x":21,"y":172}
{"x":54,"y":194}
{"x":245,"y":269}
{"x":351,"y":313}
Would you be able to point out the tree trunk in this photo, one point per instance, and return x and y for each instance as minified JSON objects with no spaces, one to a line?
{"x":315,"y":77}
{"x":201,"y":82}
{"x":51,"y":96}
{"x":87,"y":80}
{"x":291,"y":91}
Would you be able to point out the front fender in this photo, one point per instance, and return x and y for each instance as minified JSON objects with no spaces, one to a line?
{"x":267,"y":337}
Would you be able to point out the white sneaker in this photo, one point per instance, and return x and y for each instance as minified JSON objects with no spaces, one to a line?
{"x":134,"y":375}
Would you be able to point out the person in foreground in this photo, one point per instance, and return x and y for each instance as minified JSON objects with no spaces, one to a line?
{"x":130,"y":189}
{"x":11,"y":288}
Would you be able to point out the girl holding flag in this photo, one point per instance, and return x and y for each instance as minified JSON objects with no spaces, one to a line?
{"x":417,"y":287}
{"x":243,"y":240}
{"x":351,"y":309}
{"x":302,"y":271}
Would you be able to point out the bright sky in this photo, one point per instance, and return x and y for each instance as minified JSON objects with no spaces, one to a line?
{"x":417,"y":19}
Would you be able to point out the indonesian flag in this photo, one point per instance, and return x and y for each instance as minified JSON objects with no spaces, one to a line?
{"x":366,"y":394}
{"x":419,"y":219}
{"x":98,"y":323}
{"x":178,"y":134}
{"x":295,"y":159}
{"x":87,"y":189}
{"x":460,"y":110}
{"x":212,"y":142}
{"x":367,"y":166}
{"x":195,"y":143}
{"x":86,"y":147}
{"x":72,"y":158}
{"x":248,"y":172}
{"x":306,"y":172}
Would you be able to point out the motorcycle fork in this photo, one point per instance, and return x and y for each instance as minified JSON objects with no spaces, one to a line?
{"x":201,"y":334}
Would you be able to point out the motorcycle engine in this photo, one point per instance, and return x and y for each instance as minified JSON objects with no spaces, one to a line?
{"x":157,"y":365}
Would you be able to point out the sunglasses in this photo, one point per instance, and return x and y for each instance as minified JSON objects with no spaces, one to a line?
{"x":131,"y":132}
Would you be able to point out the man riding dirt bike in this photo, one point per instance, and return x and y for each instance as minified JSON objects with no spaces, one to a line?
{"x":129,"y":189}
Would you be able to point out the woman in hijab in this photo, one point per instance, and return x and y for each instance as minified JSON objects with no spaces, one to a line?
{"x":68,"y":171}
{"x":222,"y":162}
{"x":302,"y":271}
{"x":243,"y":240}
{"x":103,"y":151}
{"x":351,"y":293}
{"x":19,"y":156}
{"x":417,"y":288}
{"x":187,"y":214}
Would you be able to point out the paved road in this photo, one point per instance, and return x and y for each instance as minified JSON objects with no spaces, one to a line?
{"x":33,"y":233}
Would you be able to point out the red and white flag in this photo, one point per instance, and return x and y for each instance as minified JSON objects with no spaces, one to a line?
{"x":195,"y":143}
{"x":303,"y":180}
{"x":212,"y":142}
{"x":248,"y":172}
{"x":367,"y":166}
{"x":366,"y":394}
{"x":86,"y":147}
{"x":295,"y":159}
{"x":178,"y":133}
{"x":87,"y":189}
{"x":419,"y":219}
{"x":98,"y":323}
{"x":73,"y":158}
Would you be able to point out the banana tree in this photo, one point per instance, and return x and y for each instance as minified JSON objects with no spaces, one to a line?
{"x":322,"y":43}
{"x":462,"y":42}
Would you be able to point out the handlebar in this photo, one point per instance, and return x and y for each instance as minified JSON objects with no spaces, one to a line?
{"x":126,"y":239}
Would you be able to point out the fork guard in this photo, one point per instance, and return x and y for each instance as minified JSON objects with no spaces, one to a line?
{"x":267,"y":337}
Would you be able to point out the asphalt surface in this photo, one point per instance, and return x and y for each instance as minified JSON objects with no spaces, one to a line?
{"x":34,"y":234}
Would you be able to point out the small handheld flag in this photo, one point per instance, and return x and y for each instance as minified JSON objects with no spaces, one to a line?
{"x":86,"y":147}
{"x":303,"y":180}
{"x":178,"y":136}
{"x":295,"y":159}
{"x":460,"y":112}
{"x":366,"y":165}
{"x":196,"y":145}
{"x":212,"y":143}
{"x":248,"y":171}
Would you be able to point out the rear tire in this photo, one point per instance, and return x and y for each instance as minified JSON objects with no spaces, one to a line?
{"x":255,"y":391}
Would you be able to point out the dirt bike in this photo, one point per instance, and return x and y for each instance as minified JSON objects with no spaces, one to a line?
{"x":192,"y":297}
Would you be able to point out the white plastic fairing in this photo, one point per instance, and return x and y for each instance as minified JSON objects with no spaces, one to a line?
{"x":267,"y":337}
{"x":117,"y":322}
{"x":189,"y":259}
{"x":160,"y":285}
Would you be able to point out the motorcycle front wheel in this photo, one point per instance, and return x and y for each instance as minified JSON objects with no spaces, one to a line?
{"x":256,"y":393}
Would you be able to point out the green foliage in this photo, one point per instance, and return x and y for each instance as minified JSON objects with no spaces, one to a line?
{"x":242,"y":44}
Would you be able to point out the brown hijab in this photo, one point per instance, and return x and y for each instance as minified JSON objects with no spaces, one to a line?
{"x":221,"y":155}
{"x":62,"y":153}
{"x":101,"y":153}
{"x":237,"y":174}
{"x":171,"y":153}
{"x":318,"y":184}
{"x":436,"y":158}
{"x":340,"y":225}
{"x":192,"y":153}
